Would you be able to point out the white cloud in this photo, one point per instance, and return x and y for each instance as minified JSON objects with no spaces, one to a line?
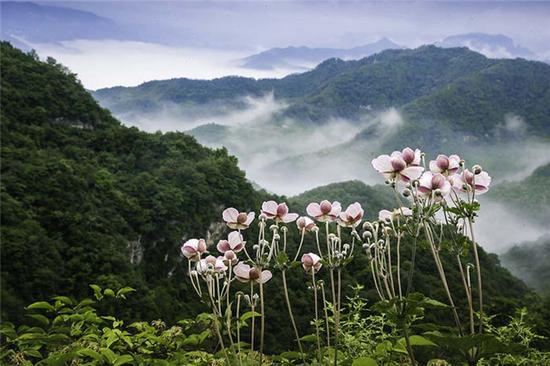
{"x":109,"y":63}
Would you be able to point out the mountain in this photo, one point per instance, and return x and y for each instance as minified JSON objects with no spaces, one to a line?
{"x":530,"y":261}
{"x":86,"y":200}
{"x":38,"y":23}
{"x":491,"y":45}
{"x":427,"y":83}
{"x":302,"y":58}
{"x":529,"y":196}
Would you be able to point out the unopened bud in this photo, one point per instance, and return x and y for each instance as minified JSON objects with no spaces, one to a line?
{"x":406,"y":192}
{"x":477,"y":169}
{"x":367,"y":235}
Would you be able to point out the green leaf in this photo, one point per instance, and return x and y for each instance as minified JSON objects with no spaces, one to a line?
{"x":41,"y":305}
{"x":364,"y":361}
{"x":39,"y":318}
{"x":109,"y":292}
{"x":291,"y":355}
{"x":417,"y":340}
{"x":309,"y":338}
{"x":97,"y":291}
{"x":32,"y":353}
{"x":90,"y":353}
{"x":109,"y":355}
{"x":123,"y":291}
{"x":248,"y":315}
{"x":124,"y":359}
{"x":64,"y":299}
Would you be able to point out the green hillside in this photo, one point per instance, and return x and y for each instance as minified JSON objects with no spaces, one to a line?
{"x":530,"y":196}
{"x":531,"y":262}
{"x":447,"y":90}
{"x":86,"y":200}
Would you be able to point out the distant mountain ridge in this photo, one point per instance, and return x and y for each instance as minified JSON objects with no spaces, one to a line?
{"x":39,"y":23}
{"x":491,"y":45}
{"x":305,"y":57}
{"x":428,"y":85}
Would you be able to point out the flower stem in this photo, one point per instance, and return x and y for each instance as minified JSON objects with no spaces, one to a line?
{"x":408,"y":343}
{"x":287,"y":298}
{"x":325,"y":310}
{"x":239,"y":329}
{"x":253,"y":317}
{"x":262,"y":325}
{"x":478,"y":272}
{"x":443,"y":277}
{"x":319,"y":356}
{"x":337,"y":317}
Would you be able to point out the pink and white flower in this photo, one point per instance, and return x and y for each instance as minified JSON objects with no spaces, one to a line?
{"x":434,"y":183}
{"x":324,"y":211}
{"x":305,"y":223}
{"x":410,"y":156}
{"x":277,"y":212}
{"x":212,"y":264}
{"x":466,"y":181}
{"x":193,"y":248}
{"x":311,"y":262}
{"x":245,"y":273}
{"x":388,"y":216}
{"x":395,"y":167}
{"x":237,"y":220}
{"x":446,"y":165}
{"x":352,"y":216}
{"x":234,"y":242}
{"x":230,"y":257}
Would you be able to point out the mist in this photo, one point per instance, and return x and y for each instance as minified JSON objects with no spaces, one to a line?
{"x":104,"y":63}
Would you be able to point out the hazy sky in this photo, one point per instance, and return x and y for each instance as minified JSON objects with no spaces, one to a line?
{"x":252,"y":24}
{"x":205,"y":39}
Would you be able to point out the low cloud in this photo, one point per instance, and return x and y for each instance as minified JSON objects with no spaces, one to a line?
{"x":105,"y":63}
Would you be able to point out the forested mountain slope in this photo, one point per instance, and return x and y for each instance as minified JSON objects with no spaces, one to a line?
{"x":452,"y":88}
{"x":87,"y":200}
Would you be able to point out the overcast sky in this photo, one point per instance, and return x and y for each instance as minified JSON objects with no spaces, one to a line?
{"x":203,"y":39}
{"x":330,"y":23}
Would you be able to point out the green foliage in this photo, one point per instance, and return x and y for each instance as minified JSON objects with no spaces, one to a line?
{"x":87,"y":200}
{"x":67,"y":332}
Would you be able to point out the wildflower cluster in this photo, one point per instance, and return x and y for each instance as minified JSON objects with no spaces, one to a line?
{"x":430,"y":199}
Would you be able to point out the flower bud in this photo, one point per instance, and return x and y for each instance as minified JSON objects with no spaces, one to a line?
{"x":477,"y":169}
{"x":365,"y":246}
{"x":346,"y":246}
{"x":406,"y":192}
{"x":367,"y":235}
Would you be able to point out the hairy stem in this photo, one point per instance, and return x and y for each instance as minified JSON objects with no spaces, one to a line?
{"x":285,"y":287}
{"x":262,"y":320}
{"x":478,"y":272}
{"x":325,"y":310}
{"x":319,"y":356}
